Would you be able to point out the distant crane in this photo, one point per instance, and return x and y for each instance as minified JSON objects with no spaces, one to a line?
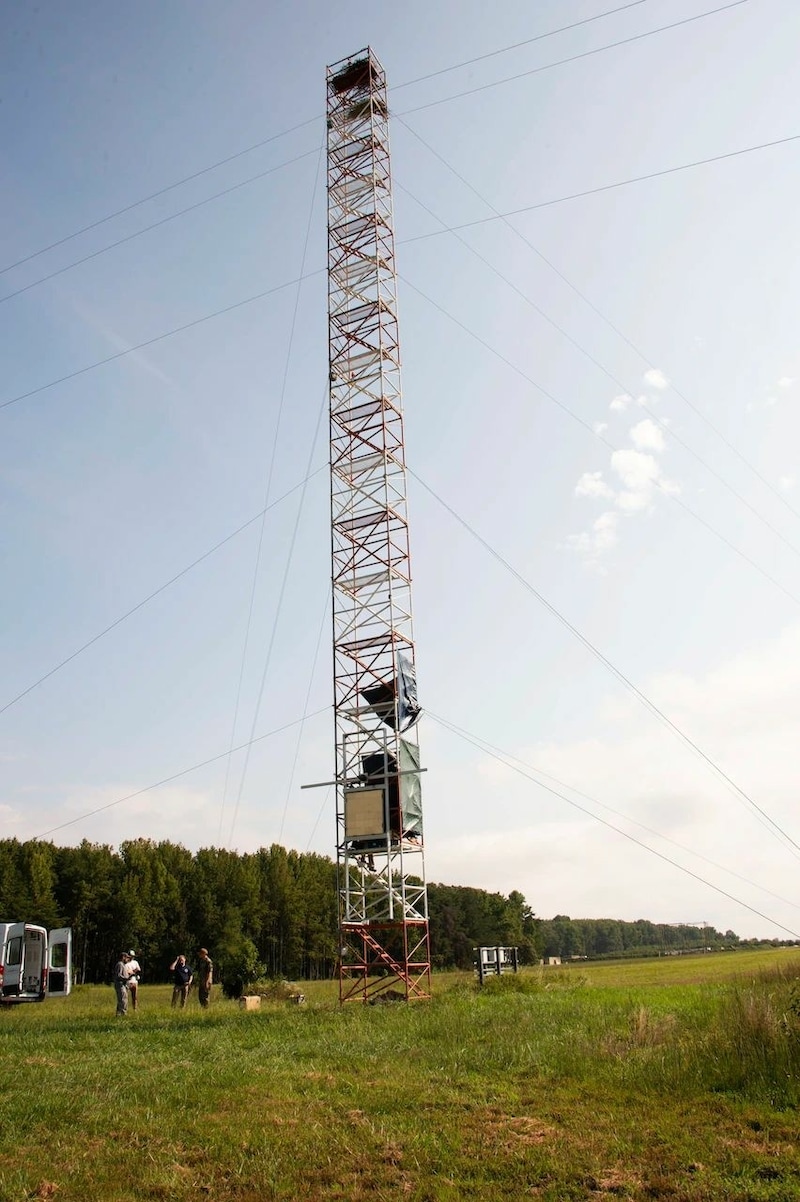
{"x":383,"y":905}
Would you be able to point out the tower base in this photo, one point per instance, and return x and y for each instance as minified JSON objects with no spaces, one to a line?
{"x":383,"y":961}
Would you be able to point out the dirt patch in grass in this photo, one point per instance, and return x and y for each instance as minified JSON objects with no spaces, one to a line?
{"x":613,"y":1181}
{"x":506,"y":1133}
{"x":760,"y":1147}
{"x":325,"y":1078}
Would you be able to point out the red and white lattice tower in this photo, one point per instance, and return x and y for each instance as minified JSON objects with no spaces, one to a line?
{"x":383,"y":909}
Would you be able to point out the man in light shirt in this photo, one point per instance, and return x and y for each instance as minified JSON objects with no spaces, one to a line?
{"x":134,"y":976}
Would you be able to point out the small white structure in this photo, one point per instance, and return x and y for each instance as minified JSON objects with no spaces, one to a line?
{"x":494,"y":961}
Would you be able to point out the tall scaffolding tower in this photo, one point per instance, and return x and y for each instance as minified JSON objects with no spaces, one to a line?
{"x":383,"y":906}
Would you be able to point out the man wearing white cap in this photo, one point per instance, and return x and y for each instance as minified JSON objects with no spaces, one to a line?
{"x":134,"y":974}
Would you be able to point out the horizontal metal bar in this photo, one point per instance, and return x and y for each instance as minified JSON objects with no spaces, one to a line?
{"x":322,"y":784}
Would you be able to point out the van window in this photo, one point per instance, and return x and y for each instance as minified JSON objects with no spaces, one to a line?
{"x":14,"y":955}
{"x":58,"y":955}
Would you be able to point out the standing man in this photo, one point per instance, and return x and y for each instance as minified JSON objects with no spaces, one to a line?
{"x":181,"y":980}
{"x":121,"y":984}
{"x":134,"y":975}
{"x":205,"y":977}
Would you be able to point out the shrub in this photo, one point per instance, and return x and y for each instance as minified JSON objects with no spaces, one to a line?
{"x":274,"y":990}
{"x":240,"y":966}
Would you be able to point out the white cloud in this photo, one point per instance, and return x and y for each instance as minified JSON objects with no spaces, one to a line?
{"x":786,"y":483}
{"x":787,"y":381}
{"x":592,"y":484}
{"x":118,"y":811}
{"x":10,"y":818}
{"x":121,"y":810}
{"x":647,"y":436}
{"x":600,"y":427}
{"x":632,"y":502}
{"x":742,"y":713}
{"x":770,"y":401}
{"x":655,"y":379}
{"x":620,"y":403}
{"x":605,"y":529}
{"x":636,"y":470}
{"x":640,"y":475}
{"x":602,"y":537}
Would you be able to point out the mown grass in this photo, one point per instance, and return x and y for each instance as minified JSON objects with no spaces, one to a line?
{"x":578,"y":1083}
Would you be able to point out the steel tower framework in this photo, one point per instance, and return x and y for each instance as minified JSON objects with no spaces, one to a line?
{"x":383,"y":909}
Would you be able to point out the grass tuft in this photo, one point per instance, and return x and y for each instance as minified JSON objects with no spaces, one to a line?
{"x":532,"y":980}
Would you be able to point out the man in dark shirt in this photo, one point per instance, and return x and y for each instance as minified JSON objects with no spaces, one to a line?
{"x":181,"y":980}
{"x":205,"y":977}
{"x":121,"y":983}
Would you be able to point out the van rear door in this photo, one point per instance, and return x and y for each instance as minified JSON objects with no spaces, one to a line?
{"x":59,"y":962}
{"x":11,"y":956}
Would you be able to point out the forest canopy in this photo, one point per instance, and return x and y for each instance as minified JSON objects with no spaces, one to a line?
{"x":273,"y":912}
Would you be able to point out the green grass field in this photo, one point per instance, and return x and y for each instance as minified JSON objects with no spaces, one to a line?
{"x":674,"y":1079}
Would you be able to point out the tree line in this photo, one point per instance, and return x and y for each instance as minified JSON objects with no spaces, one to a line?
{"x":609,"y":938}
{"x":272,"y":912}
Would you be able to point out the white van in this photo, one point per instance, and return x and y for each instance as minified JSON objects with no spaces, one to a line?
{"x":34,"y":964}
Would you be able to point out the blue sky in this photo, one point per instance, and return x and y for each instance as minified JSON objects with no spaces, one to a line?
{"x":604,"y":389}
